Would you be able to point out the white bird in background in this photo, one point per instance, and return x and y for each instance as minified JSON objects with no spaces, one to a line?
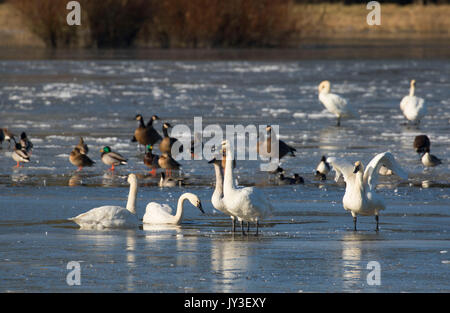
{"x":110,"y":216}
{"x":334,"y":103}
{"x":156,"y":213}
{"x":360,"y":197}
{"x":247,"y":204}
{"x":413,"y":108}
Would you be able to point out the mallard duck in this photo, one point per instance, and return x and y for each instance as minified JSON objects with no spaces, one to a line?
{"x":80,"y":160}
{"x":8,"y":136}
{"x":112,"y":158}
{"x":166,"y":162}
{"x":167,"y":142}
{"x":20,"y":155}
{"x":82,"y":146}
{"x":25,"y":143}
{"x":151,"y":160}
{"x":264,"y":148}
{"x":146,"y":135}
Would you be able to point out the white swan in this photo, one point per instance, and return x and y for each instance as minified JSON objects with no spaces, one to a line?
{"x":360,"y":197}
{"x":217,"y":196}
{"x":247,"y":204}
{"x":156,"y":213}
{"x":413,"y":108}
{"x":110,"y":216}
{"x":334,"y":103}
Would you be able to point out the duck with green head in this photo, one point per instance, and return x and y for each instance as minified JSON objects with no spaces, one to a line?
{"x":151,"y":160}
{"x":112,"y":158}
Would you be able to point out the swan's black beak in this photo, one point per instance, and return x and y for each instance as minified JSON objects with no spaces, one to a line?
{"x":356,"y":170}
{"x":199,"y":206}
{"x":212,"y":161}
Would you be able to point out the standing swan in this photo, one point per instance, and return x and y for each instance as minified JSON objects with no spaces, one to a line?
{"x":360,"y":197}
{"x":217,"y":196}
{"x":413,"y":108}
{"x":334,"y":103}
{"x":247,"y":204}
{"x":110,"y":216}
{"x":156,"y":213}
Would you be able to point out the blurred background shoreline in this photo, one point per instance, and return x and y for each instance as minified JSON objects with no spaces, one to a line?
{"x":210,"y":29}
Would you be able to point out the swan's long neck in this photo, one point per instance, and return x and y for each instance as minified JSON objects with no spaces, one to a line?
{"x":179,"y":214}
{"x":228,"y":180}
{"x":218,"y":191}
{"x":412,"y":90}
{"x":131,"y":203}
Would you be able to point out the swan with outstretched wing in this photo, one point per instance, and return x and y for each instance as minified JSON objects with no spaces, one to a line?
{"x":360,"y":197}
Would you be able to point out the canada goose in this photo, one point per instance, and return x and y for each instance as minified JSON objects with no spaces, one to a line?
{"x":25,"y":143}
{"x":80,"y":160}
{"x":414,"y":108}
{"x":335,"y":104}
{"x":82,"y":146}
{"x":166,"y":162}
{"x":151,"y":160}
{"x":430,"y":160}
{"x":282,"y":180}
{"x":264,"y":148}
{"x":421,"y":143}
{"x":20,"y":154}
{"x":146,"y":135}
{"x":112,"y":158}
{"x":298,"y":179}
{"x":167,"y":142}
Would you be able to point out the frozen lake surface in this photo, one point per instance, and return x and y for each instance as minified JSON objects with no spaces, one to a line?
{"x":308,"y":245}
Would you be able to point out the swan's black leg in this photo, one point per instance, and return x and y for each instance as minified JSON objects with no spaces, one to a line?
{"x":248,"y":227}
{"x":354,"y":223}
{"x":233,"y":225}
{"x":257,"y":227}
{"x":376,"y":219}
{"x":242,"y":228}
{"x":338,"y":121}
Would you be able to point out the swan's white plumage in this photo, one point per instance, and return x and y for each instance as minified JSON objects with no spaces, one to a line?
{"x":414,"y":108}
{"x":107,"y":216}
{"x":360,"y":197}
{"x":110,"y":216}
{"x":247,"y":204}
{"x":335,"y":103}
{"x":156,"y":213}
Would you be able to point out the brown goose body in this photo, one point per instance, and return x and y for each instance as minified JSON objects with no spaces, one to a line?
{"x":151,"y":160}
{"x":167,"y":142}
{"x":146,"y":135}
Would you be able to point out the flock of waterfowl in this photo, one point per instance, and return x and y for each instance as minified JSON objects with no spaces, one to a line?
{"x":249,"y":204}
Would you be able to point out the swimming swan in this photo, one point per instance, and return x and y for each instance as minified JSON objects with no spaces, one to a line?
{"x":360,"y":197}
{"x":110,"y":216}
{"x":247,"y":204}
{"x":413,"y":108}
{"x":156,"y":213}
{"x":334,"y":103}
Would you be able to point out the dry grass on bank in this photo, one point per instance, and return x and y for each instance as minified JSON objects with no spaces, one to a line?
{"x":411,"y":21}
